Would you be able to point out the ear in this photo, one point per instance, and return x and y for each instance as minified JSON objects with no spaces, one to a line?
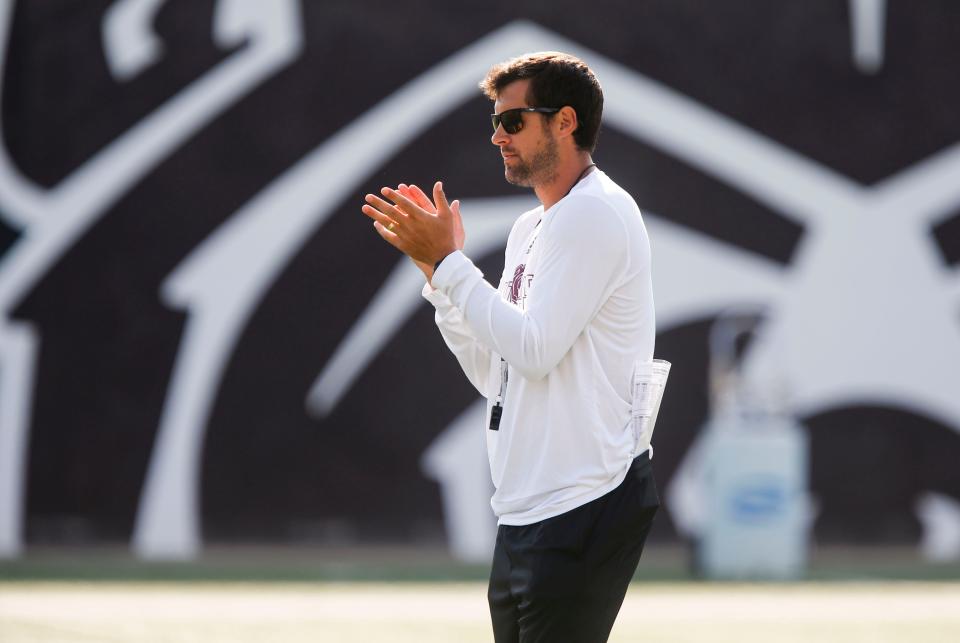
{"x":567,"y":121}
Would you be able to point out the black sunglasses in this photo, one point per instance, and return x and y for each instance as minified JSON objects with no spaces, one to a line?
{"x":512,"y":119}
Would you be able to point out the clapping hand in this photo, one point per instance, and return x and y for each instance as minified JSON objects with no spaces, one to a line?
{"x":423,"y":230}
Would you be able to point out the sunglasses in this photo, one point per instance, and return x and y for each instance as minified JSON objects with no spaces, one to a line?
{"x":512,"y":119}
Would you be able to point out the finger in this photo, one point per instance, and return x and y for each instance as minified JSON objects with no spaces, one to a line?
{"x":386,"y":234}
{"x":379,"y":217}
{"x":439,"y":197}
{"x":389,"y":237}
{"x":417,"y":197}
{"x":420,"y":194}
{"x":386,"y":208}
{"x":403,"y":203}
{"x":421,"y":198}
{"x":423,"y":202}
{"x":405,"y":191}
{"x":458,"y":232}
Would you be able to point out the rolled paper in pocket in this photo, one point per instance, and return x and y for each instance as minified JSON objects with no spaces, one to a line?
{"x":649,"y":381}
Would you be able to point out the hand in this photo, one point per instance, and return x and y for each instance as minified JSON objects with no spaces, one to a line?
{"x":415,"y":194}
{"x":414,"y":226}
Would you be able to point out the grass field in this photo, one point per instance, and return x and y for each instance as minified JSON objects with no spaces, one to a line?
{"x":860,"y":612}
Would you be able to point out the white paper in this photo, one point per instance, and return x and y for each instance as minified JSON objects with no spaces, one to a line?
{"x":649,"y":381}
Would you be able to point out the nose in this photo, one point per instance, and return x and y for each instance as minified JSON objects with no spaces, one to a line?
{"x":500,"y":137}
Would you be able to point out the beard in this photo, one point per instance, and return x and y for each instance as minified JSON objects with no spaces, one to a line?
{"x":540,"y":169}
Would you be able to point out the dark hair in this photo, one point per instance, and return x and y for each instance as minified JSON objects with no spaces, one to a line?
{"x":556,"y":80}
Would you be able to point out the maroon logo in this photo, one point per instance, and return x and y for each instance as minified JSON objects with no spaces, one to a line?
{"x":515,"y":286}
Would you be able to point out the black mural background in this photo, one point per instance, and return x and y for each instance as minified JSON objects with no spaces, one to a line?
{"x":270,"y":470}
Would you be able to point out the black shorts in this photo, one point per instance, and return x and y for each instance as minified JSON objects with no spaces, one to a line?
{"x":563,"y":579}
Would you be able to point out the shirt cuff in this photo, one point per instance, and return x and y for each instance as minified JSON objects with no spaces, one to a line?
{"x":455,"y":266}
{"x":434,"y":296}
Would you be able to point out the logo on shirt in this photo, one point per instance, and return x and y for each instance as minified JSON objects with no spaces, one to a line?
{"x":519,"y":286}
{"x":516,"y":284}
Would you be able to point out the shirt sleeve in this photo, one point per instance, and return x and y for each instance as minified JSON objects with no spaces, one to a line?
{"x":474,"y":357}
{"x":582,"y":252}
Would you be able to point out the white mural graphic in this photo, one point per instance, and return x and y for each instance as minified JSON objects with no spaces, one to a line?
{"x":867,"y":25}
{"x":865,"y":313}
{"x":221,"y":282}
{"x":52,"y":220}
{"x":845,"y":316}
{"x":129,"y":43}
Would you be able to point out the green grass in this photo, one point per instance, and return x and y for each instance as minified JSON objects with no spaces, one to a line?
{"x":257,"y":564}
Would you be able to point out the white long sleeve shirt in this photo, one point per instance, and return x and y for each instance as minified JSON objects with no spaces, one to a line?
{"x":573,"y":315}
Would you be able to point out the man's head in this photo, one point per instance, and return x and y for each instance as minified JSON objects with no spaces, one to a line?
{"x":533,"y":143}
{"x":556,"y":80}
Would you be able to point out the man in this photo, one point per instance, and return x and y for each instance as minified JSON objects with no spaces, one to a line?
{"x":554,"y":352}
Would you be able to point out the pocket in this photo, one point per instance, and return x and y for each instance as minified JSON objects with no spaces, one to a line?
{"x":570,"y":531}
{"x":643,"y":496}
{"x":649,"y":495}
